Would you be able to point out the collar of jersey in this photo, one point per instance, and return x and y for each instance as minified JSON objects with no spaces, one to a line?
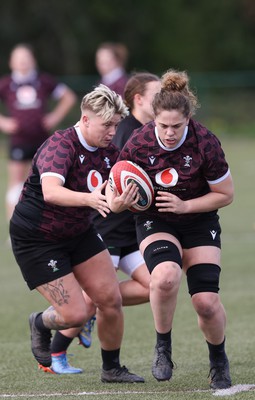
{"x":82,"y":140}
{"x":113,"y":76}
{"x":20,"y":78}
{"x":178,"y":145}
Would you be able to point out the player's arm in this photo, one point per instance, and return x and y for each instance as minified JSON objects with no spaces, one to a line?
{"x":55,"y":193}
{"x":8,"y":125}
{"x":64,"y":105}
{"x":221,"y":195}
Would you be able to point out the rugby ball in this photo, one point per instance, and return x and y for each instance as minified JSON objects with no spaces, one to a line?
{"x":124,"y":172}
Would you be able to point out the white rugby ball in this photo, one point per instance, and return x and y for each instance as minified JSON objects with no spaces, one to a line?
{"x":124,"y":172}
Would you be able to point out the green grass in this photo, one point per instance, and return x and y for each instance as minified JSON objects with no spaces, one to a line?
{"x":19,"y":376}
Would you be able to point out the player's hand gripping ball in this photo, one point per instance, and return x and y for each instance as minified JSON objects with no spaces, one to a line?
{"x":125,"y":172}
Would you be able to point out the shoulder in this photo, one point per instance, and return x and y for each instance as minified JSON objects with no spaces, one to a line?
{"x":67,"y":137}
{"x":58,"y":148}
{"x":146,"y":131}
{"x":125,"y":129}
{"x":203,"y":135}
{"x":47,"y":79}
{"x":143,"y":137}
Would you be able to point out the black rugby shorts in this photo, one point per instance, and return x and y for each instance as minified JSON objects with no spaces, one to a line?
{"x":43,"y":261}
{"x":202,"y":231}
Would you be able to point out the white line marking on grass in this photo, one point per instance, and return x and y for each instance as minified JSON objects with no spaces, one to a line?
{"x":233,"y":390}
{"x":223,"y":392}
{"x":110,"y":393}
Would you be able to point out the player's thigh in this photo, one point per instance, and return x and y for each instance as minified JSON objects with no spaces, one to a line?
{"x":131,"y":259}
{"x":98,"y":278}
{"x":158,"y":237}
{"x":142,"y":275}
{"x":201,"y":255}
{"x":65,"y":295}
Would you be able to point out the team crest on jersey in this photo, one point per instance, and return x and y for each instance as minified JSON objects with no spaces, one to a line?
{"x":187,"y":160}
{"x":147,"y":225}
{"x":94,"y":180}
{"x":167,"y":178}
{"x":53,"y":265}
{"x":108,"y":162}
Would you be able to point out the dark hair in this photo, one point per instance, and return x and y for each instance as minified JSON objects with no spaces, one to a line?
{"x":175,"y":94}
{"x":137,"y":85}
{"x":119,"y":50}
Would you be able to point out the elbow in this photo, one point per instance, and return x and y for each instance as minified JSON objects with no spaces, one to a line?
{"x":229,"y":199}
{"x":48,"y":198}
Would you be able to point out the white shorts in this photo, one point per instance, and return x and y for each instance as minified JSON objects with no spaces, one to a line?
{"x":129,"y":263}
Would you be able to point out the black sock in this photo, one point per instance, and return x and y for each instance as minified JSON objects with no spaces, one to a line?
{"x":60,"y":343}
{"x":164,"y":337}
{"x":110,"y":359}
{"x":40,"y":324}
{"x":217,"y":352}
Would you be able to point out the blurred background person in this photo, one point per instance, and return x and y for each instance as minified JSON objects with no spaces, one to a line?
{"x":25,"y":94}
{"x":111,"y":60}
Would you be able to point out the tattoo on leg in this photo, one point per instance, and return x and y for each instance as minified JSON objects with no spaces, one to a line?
{"x":57,"y":292}
{"x":53,"y":320}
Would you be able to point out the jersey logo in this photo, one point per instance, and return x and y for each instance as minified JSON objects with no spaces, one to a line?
{"x":187,"y":160}
{"x":82,"y":158}
{"x":107,"y":160}
{"x":100,"y":237}
{"x":94,"y":180}
{"x":152,"y":159}
{"x":27,"y":97}
{"x":147,"y":225}
{"x":167,"y":178}
{"x":213,"y":233}
{"x":53,"y":265}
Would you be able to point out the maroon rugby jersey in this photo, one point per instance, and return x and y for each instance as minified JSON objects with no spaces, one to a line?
{"x":117,"y":85}
{"x":27,"y":103}
{"x":81,"y":167}
{"x":184,"y":171}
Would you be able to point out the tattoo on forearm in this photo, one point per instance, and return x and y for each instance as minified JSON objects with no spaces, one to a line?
{"x":57,"y":292}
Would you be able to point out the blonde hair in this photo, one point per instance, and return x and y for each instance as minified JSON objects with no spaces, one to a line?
{"x":104,"y":103}
{"x":175,"y":94}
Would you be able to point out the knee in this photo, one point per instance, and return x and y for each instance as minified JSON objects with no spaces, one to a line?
{"x":166,"y":278}
{"x":206,"y":304}
{"x":203,"y":284}
{"x":75,"y":318}
{"x":109,"y":299}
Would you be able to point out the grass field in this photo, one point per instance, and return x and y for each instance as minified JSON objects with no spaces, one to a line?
{"x":19,"y":377}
